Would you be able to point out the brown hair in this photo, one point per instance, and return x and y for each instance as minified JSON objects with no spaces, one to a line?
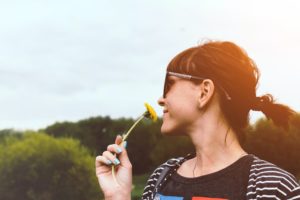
{"x":235,"y":74}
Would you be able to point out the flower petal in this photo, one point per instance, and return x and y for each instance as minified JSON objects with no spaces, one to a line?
{"x":150,"y":112}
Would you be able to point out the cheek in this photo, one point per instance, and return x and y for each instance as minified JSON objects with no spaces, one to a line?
{"x":187,"y":102}
{"x":182,"y":114}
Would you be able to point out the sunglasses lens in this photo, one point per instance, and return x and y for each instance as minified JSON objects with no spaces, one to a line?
{"x":165,"y":86}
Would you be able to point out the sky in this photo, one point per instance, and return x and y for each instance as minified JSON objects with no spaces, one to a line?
{"x":70,"y":60}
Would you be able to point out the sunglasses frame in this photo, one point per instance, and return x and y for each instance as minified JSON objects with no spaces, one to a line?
{"x":189,"y":77}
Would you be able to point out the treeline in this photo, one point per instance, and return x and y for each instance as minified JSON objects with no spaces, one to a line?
{"x":36,"y":166}
{"x":148,"y":148}
{"x":58,"y":162}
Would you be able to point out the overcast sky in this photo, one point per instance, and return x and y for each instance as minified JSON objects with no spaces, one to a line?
{"x":70,"y":60}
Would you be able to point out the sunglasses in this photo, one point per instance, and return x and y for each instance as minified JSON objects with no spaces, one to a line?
{"x":167,"y":84}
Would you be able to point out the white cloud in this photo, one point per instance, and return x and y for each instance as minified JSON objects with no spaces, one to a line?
{"x":67,"y":60}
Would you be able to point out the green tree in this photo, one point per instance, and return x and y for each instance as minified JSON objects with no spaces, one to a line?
{"x":169,"y":147}
{"x":141,"y":143}
{"x":95,"y":133}
{"x":9,"y":132}
{"x":40,"y":167}
{"x":275,"y":144}
{"x":147,"y":148}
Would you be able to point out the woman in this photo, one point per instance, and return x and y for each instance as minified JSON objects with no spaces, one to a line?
{"x":208,"y":93}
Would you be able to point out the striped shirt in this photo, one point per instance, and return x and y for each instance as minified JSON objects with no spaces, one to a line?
{"x":266,"y":180}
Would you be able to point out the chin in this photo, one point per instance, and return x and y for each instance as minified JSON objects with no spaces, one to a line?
{"x":165,"y":130}
{"x":172,"y":131}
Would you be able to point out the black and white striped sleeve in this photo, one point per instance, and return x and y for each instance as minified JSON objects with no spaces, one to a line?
{"x":150,"y":186}
{"x":267,"y":181}
{"x":172,"y":164}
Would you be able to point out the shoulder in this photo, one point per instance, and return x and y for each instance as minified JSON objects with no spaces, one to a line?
{"x":168,"y":166}
{"x":267,"y":180}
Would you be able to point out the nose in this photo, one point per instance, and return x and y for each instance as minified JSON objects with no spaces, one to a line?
{"x":161,"y":101}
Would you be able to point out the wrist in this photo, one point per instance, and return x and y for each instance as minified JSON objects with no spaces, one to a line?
{"x":119,"y":196}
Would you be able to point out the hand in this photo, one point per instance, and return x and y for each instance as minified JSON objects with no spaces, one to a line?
{"x":123,"y":171}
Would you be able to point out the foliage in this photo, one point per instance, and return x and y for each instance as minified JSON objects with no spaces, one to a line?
{"x":169,"y":147}
{"x":275,"y":144}
{"x":141,"y":144}
{"x":139,"y":182}
{"x":39,"y":167}
{"x":148,"y":148}
{"x":9,"y":132}
{"x":94,"y":133}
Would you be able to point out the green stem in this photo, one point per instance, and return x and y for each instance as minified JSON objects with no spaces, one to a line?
{"x":132,"y":127}
{"x":123,"y":139}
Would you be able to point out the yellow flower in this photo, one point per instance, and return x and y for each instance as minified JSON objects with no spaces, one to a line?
{"x":150,"y":113}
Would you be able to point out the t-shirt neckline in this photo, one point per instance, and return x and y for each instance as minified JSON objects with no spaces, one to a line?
{"x":212,"y":176}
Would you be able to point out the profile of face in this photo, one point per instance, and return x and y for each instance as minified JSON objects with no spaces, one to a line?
{"x":225,"y":67}
{"x":180,"y":104}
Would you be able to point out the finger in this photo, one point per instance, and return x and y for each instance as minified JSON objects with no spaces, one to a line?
{"x":101,"y":160}
{"x":118,"y":139}
{"x":108,"y":155}
{"x":114,"y":148}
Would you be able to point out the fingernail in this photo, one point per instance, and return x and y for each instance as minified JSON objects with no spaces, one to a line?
{"x":108,"y":162}
{"x":116,"y":161}
{"x":125,"y":144}
{"x":119,"y":150}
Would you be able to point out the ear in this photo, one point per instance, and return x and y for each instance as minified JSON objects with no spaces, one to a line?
{"x":206,"y":93}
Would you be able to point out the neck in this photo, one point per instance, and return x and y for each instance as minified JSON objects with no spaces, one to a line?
{"x":216,"y":147}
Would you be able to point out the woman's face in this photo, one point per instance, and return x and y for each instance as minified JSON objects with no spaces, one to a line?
{"x":180,"y":106}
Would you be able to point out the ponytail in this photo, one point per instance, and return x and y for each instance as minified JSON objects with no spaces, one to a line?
{"x":280,"y":114}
